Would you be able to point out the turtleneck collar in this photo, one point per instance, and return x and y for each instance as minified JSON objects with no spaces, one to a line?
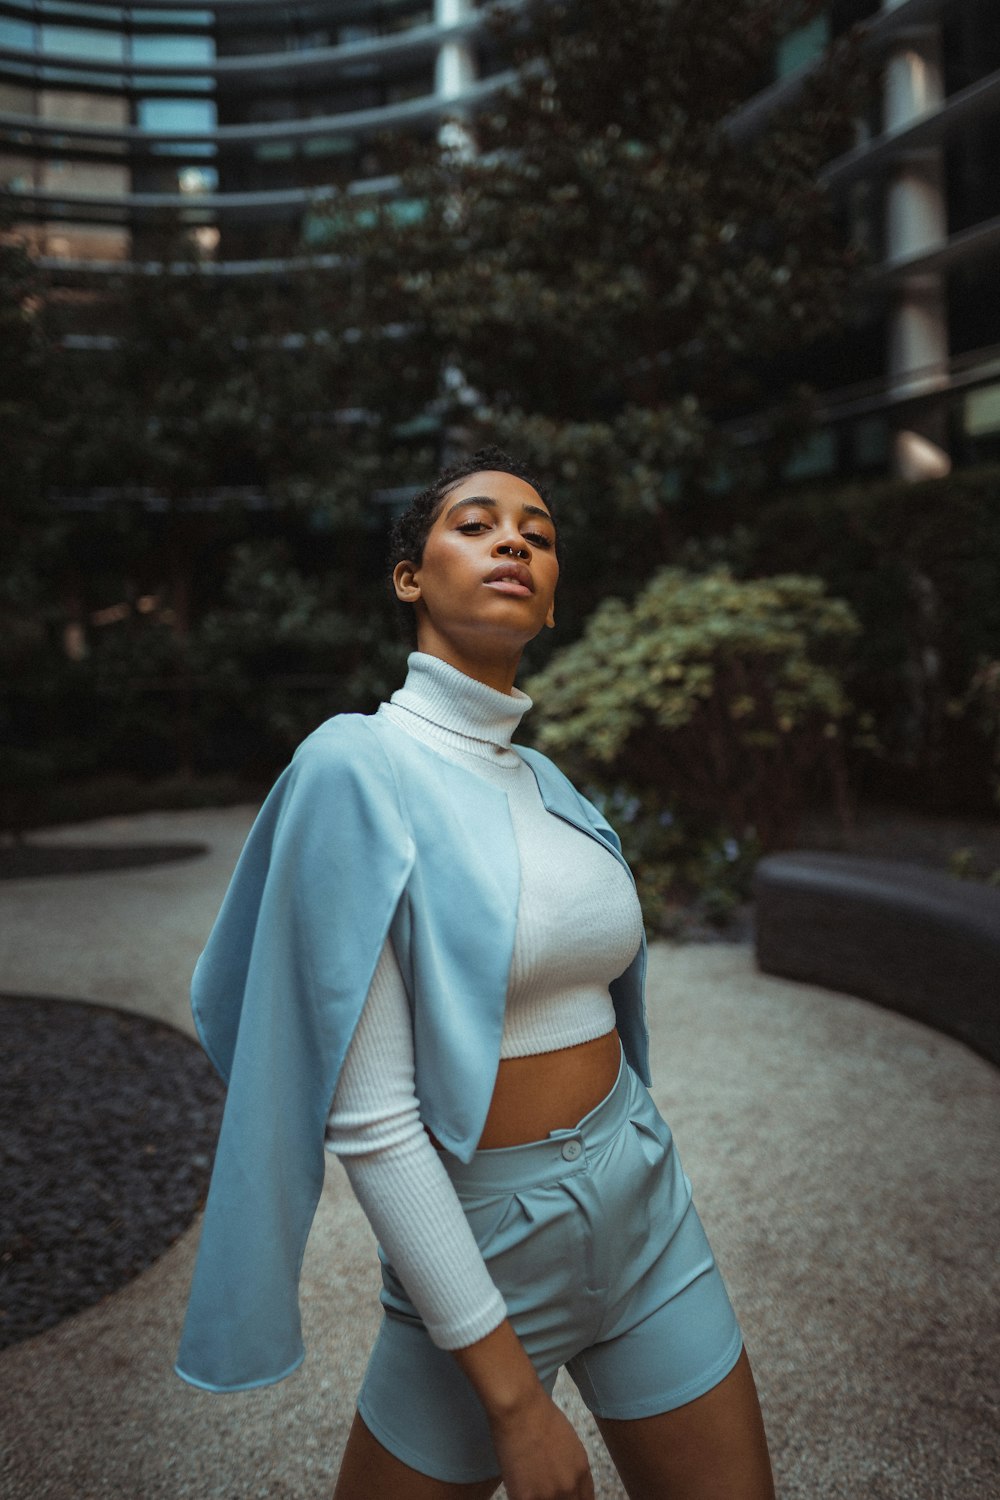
{"x":444,"y":696}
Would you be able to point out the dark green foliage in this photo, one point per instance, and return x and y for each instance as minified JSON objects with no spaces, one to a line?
{"x":595,"y":289}
{"x":721,"y":696}
{"x":920,"y":566}
{"x":609,"y":269}
{"x":690,"y":871}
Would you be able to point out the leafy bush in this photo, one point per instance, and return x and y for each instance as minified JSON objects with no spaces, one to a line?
{"x":920,"y":566}
{"x":690,"y":872}
{"x":722,"y":695}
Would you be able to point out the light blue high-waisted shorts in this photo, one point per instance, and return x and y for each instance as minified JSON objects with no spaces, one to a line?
{"x":598,"y":1251}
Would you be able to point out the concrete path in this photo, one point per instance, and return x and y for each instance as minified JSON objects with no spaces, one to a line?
{"x":844,"y":1161}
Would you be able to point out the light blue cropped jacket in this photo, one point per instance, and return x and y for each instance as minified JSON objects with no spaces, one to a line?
{"x":367,"y":833}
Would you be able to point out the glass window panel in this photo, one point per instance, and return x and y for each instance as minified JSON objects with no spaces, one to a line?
{"x":274,"y":151}
{"x":405,"y":211}
{"x":176,"y":17}
{"x":16,"y":33}
{"x":173,"y":49}
{"x":816,"y":456}
{"x":981,"y":416}
{"x":83,"y":42}
{"x":17,"y":99}
{"x":197,"y":179}
{"x":85,"y":12}
{"x":173,"y":116}
{"x":328,"y":145}
{"x":803,"y":45}
{"x":17,"y":173}
{"x":871,"y":443}
{"x":85,"y":177}
{"x":73,"y":105}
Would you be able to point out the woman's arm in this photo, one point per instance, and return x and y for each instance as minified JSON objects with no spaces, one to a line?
{"x":410,"y":1201}
{"x":398,"y":1177}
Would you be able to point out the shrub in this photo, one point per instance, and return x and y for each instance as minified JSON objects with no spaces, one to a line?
{"x":720,"y":694}
{"x":690,"y":872}
{"x":920,"y":566}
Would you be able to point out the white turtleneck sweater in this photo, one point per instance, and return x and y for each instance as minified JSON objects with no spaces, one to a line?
{"x":578,"y":928}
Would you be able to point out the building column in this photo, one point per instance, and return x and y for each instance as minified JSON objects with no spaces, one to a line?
{"x":916,"y":220}
{"x":456,"y":65}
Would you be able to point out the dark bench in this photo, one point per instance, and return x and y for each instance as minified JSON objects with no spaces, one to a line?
{"x":919,"y":941}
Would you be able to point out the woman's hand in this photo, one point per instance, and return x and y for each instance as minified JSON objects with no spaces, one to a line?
{"x":541,"y":1457}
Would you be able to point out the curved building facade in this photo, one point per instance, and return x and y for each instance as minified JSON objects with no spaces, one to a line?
{"x":237,"y":119}
{"x":233,"y":119}
{"x":914,"y":386}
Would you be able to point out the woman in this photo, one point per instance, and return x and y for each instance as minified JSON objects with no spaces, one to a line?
{"x":460,"y":955}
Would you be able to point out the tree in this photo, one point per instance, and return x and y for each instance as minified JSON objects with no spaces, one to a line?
{"x":605,"y":276}
{"x":206,"y":413}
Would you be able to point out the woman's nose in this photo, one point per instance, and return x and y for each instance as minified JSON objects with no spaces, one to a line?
{"x":512,"y":549}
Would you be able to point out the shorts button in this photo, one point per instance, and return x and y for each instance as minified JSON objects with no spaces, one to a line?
{"x":571,"y":1150}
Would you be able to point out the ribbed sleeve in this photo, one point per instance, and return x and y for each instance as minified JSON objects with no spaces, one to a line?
{"x":398,"y":1177}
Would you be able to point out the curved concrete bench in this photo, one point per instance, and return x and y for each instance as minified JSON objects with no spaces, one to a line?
{"x":919,"y":941}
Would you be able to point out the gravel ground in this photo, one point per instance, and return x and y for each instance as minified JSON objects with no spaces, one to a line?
{"x":844,"y":1159}
{"x":99,"y":1181}
{"x":108,"y":1124}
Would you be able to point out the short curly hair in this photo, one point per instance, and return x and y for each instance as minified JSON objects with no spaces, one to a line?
{"x":410,"y":530}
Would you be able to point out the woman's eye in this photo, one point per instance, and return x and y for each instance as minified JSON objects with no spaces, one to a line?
{"x":471,"y":526}
{"x":539,"y":538}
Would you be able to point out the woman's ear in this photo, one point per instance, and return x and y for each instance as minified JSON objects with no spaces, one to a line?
{"x":550,"y":618}
{"x":404,"y":581}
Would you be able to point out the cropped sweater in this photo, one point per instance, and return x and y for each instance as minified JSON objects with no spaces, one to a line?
{"x":578,"y":928}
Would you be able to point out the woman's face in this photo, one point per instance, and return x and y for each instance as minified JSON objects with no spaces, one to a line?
{"x":486,"y":582}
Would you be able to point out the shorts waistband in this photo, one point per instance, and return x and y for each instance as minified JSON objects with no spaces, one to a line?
{"x":558,"y":1155}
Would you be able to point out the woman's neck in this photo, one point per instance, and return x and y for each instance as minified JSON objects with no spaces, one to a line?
{"x":460,"y":706}
{"x":496,"y":671}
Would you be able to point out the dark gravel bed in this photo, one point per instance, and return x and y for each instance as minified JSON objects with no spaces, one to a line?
{"x":21,"y":861}
{"x":108,"y":1123}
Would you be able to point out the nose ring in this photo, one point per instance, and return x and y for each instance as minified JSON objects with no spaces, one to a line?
{"x":514,"y":551}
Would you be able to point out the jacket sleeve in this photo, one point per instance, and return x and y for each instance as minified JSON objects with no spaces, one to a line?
{"x":276,"y":995}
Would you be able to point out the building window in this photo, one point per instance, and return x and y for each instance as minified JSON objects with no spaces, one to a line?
{"x":72,"y":8}
{"x":173,"y":49}
{"x":73,"y":106}
{"x":981,"y":412}
{"x":803,"y":45}
{"x":871,"y":443}
{"x":816,"y":458}
{"x":166,"y":117}
{"x":103,"y":181}
{"x":17,"y":34}
{"x":177,"y":17}
{"x":197,"y":179}
{"x":83,"y":43}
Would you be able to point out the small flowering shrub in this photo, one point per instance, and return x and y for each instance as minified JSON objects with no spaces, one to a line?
{"x":722,"y":697}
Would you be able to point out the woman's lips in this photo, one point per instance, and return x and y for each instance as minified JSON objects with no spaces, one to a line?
{"x":511,"y":578}
{"x":507,"y":586}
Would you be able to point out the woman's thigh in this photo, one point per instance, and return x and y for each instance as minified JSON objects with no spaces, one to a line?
{"x":370,"y":1472}
{"x":713,"y":1448}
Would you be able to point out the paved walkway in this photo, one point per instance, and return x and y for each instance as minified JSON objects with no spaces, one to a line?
{"x":844,"y":1160}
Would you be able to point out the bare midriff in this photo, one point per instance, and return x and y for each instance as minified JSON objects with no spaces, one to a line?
{"x":550,"y":1091}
